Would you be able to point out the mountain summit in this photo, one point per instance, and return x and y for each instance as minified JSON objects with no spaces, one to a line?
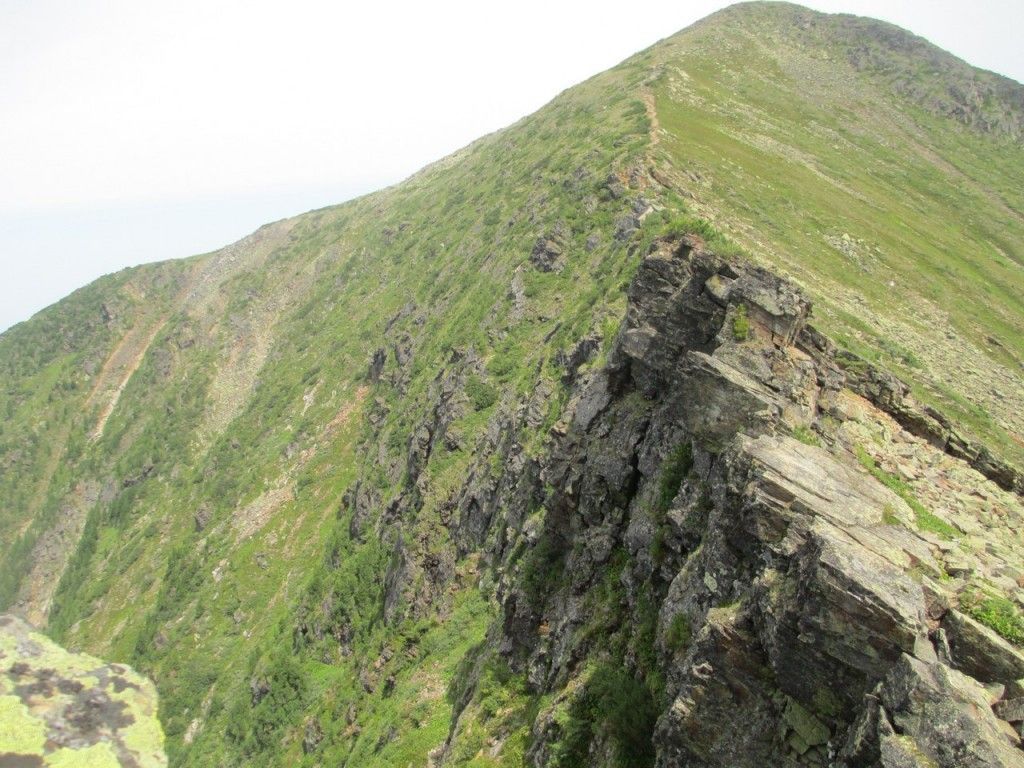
{"x":677,"y":424}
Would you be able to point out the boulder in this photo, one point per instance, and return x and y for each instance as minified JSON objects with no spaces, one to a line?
{"x":548,"y":254}
{"x":980,"y":652}
{"x":926,"y":714}
{"x":772,"y":302}
{"x":61,"y":708}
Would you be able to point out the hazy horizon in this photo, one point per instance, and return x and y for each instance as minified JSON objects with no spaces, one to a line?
{"x":235,"y":116}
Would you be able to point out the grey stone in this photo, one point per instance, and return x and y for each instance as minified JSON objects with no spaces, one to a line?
{"x":980,"y":652}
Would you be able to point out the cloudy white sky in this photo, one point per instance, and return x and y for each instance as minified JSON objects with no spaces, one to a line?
{"x":132,"y":130}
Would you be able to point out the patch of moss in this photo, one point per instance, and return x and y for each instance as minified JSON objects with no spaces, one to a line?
{"x":19,"y":731}
{"x":678,"y":634}
{"x":825,"y":702}
{"x":94,"y":756}
{"x":889,"y":516}
{"x":677,"y":465}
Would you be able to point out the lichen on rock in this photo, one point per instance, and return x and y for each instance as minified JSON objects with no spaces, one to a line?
{"x":68,"y":709}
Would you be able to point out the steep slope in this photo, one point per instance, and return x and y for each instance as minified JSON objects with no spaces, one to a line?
{"x":416,"y":479}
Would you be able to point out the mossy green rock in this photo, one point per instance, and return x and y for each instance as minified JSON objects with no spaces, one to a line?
{"x":69,"y":709}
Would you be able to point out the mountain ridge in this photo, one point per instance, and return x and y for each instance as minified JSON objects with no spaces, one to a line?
{"x":422,"y":477}
{"x":860,"y":31}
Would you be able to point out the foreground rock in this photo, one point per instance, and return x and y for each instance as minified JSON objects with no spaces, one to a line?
{"x":65,"y":709}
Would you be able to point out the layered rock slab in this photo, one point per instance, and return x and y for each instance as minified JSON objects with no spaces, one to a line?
{"x":824,"y":628}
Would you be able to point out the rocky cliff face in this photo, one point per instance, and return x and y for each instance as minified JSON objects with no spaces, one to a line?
{"x":64,"y":709}
{"x":802,"y":609}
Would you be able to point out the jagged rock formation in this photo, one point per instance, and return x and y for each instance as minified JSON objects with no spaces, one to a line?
{"x":818,"y":622}
{"x":64,"y":709}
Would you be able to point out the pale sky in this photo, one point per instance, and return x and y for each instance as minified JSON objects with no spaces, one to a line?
{"x":133,"y":131}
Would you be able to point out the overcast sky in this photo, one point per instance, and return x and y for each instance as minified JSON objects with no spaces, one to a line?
{"x":133,"y":131}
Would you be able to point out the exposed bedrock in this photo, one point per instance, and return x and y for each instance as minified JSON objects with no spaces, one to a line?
{"x":802,"y":616}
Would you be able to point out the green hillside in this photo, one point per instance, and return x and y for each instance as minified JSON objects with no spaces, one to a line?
{"x":294,"y":481}
{"x":901,"y":216}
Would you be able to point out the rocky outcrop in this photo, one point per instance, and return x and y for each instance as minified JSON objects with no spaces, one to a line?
{"x":767,"y":537}
{"x":980,"y":652}
{"x":805,"y":615}
{"x":893,"y":396}
{"x":380,"y":357}
{"x":581,"y":353}
{"x":548,"y":254}
{"x":60,"y":708}
{"x":928,"y":714}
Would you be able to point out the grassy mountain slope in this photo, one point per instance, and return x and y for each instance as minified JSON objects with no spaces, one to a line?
{"x":243,"y":472}
{"x":903,"y":222}
{"x":426,"y":267}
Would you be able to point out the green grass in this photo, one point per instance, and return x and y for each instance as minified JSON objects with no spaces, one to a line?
{"x":889,"y":517}
{"x":613,"y":706}
{"x":678,"y":634}
{"x":542,"y":566}
{"x":740,"y":324}
{"x":785,"y":165}
{"x":926,"y":519}
{"x":997,"y":613}
{"x":806,"y":435}
{"x":499,"y":704}
{"x":674,"y":469}
{"x":481,"y":394}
